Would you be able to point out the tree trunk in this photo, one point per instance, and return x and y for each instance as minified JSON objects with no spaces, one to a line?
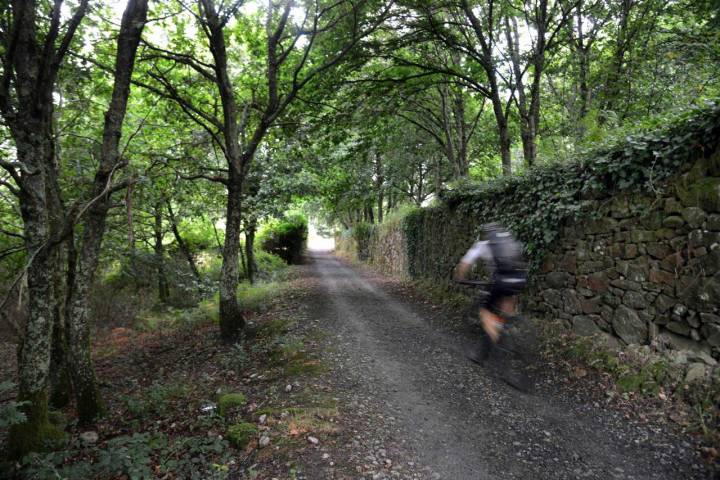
{"x":87,"y":394}
{"x":231,"y":318}
{"x":503,"y":134}
{"x":461,"y":134}
{"x":182,"y":244}
{"x":379,"y":181}
{"x":252,"y":268}
{"x":163,"y":290}
{"x":34,"y":142}
{"x":60,"y":377}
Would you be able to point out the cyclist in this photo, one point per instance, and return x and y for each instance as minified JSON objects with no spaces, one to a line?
{"x":502,"y":253}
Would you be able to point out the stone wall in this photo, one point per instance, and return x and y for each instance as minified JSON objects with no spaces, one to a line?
{"x":646,"y":265}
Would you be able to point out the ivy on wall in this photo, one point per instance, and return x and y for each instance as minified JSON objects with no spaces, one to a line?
{"x":537,"y":204}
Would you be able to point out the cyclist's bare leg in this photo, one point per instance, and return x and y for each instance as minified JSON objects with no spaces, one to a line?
{"x":493,"y":323}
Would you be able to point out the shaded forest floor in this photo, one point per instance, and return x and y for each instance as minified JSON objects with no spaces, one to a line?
{"x":308,"y":409}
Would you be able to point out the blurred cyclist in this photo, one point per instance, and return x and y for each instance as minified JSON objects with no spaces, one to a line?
{"x":502,"y":254}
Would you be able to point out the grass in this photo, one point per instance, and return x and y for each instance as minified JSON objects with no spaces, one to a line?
{"x":258,"y":297}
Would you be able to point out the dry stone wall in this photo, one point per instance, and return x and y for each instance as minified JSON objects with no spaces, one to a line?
{"x":646,"y":266}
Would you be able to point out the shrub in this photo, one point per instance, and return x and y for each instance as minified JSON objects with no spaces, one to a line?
{"x":241,"y":434}
{"x":229,"y":401}
{"x":268,"y":264}
{"x":285,"y":238}
{"x":362,"y":233}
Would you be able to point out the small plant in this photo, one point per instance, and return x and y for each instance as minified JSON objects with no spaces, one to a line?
{"x":230,"y":401}
{"x":130,"y":455}
{"x":196,"y":457}
{"x":239,"y":356}
{"x":241,"y":434}
{"x":155,"y":399}
{"x":10,"y":412}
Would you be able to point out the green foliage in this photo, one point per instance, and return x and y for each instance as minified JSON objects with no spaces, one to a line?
{"x":155,"y":399}
{"x":10,"y":412}
{"x":258,"y":297}
{"x":269,"y":265}
{"x":241,"y":434}
{"x":132,"y":457}
{"x":197,"y":458}
{"x":231,"y":401}
{"x":362,"y":233}
{"x":285,"y":237}
{"x":179,"y":318}
{"x":539,"y":203}
{"x":237,"y":358}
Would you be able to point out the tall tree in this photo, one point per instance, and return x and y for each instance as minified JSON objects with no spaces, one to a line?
{"x":30,"y":65}
{"x":248,"y":113}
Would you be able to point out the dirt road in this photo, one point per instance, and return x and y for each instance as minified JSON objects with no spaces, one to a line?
{"x":457,"y":421}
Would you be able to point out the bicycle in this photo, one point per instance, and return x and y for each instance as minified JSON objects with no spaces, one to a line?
{"x":510,"y":356}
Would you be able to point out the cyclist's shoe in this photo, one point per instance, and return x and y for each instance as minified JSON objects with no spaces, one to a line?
{"x":516,"y":379}
{"x":480,"y":352}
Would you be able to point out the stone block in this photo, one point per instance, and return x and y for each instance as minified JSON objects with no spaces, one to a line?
{"x":590,"y":267}
{"x":628,"y":326}
{"x":673,"y":221}
{"x":696,"y":373}
{"x":611,"y":299}
{"x":661,"y":276}
{"x":651,"y":220}
{"x":559,"y":280}
{"x":665,"y":233}
{"x":638,"y":236}
{"x":620,"y":207}
{"x":601,"y":225}
{"x":585,"y":326}
{"x":711,"y":332}
{"x":598,"y":282}
{"x":624,"y":284}
{"x":658,"y":250}
{"x":693,"y":319}
{"x":628,"y":251}
{"x":679,"y":327}
{"x":703,"y":238}
{"x":552,"y":298}
{"x":672,"y":262}
{"x":591,"y":305}
{"x":635,"y":300}
{"x":570,"y":301}
{"x":623,"y":236}
{"x":664,"y":303}
{"x":569,"y":262}
{"x":711,"y":261}
{"x":709,"y":290}
{"x":693,"y":216}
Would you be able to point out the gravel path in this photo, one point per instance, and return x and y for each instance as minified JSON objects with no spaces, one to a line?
{"x":450,"y":420}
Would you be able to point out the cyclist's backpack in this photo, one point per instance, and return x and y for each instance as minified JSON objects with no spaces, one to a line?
{"x":507,"y":252}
